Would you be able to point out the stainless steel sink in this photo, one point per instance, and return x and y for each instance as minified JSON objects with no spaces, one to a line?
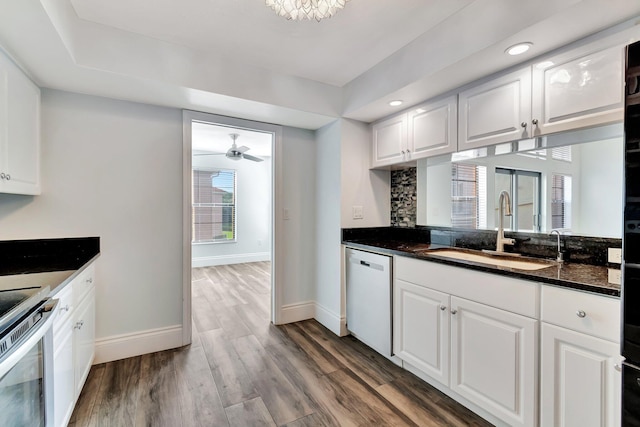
{"x":517,"y":263}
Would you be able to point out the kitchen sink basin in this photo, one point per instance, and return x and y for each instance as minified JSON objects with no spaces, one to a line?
{"x":517,"y":263}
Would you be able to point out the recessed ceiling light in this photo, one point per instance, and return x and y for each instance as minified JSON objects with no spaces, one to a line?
{"x":395,"y":103}
{"x":519,"y":48}
{"x":544,"y":64}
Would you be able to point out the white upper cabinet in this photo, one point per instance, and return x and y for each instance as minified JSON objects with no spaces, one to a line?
{"x":496,"y":111}
{"x":578,"y":90}
{"x":389,"y":141}
{"x":432,"y":128}
{"x":19,"y":131}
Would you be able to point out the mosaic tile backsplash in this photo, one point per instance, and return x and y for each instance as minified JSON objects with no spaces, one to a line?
{"x":404,"y":198}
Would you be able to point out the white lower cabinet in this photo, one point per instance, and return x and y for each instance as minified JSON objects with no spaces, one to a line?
{"x":494,"y":360}
{"x":421,"y":329}
{"x":524,"y":354}
{"x":83,"y":339}
{"x":485,"y":354}
{"x":580,"y":385}
{"x":73,"y":344}
{"x":580,"y":381}
{"x":63,"y":374}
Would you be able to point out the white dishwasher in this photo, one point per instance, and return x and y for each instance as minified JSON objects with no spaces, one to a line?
{"x":369,"y":299}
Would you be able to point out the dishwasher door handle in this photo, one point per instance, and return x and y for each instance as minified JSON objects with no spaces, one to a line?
{"x":368,"y":264}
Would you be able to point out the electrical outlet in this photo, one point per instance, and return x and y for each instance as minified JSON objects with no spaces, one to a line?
{"x":615,"y":256}
{"x":357,"y":212}
{"x":615,"y":276}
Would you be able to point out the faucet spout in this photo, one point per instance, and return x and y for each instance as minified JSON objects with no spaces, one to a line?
{"x":560,"y":257}
{"x":504,"y":201}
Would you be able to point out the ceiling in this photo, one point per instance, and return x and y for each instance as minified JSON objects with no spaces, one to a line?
{"x":210,"y":138}
{"x":237,"y":58}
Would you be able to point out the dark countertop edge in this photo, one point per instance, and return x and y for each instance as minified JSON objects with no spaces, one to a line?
{"x":60,"y":286}
{"x":488,"y":269}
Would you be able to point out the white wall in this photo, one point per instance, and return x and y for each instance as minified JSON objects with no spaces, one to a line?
{"x":343,"y":179}
{"x":299,"y":178}
{"x":112,"y":169}
{"x":601,"y":189}
{"x":359,"y":185}
{"x":253,"y":214}
{"x":328,"y":248}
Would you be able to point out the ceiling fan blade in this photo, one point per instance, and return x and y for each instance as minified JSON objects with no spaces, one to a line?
{"x":209,"y":154}
{"x":252,"y":158}
{"x":243,"y":149}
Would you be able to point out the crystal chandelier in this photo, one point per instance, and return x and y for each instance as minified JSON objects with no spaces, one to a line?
{"x":299,"y":10}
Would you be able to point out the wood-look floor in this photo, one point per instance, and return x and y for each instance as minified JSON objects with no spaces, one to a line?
{"x":243,"y":371}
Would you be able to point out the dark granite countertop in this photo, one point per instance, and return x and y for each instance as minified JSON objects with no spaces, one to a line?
{"x":45,"y":262}
{"x":585,"y":277}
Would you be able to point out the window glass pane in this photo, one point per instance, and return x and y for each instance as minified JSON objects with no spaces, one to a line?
{"x":561,"y":202}
{"x":527,"y":202}
{"x":213,"y":210}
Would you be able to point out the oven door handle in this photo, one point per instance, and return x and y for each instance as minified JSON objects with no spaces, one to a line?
{"x":12,"y":358}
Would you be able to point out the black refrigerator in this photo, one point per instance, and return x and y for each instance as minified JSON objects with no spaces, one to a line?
{"x":630,"y":340}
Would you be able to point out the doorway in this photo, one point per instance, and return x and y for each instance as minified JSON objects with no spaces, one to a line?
{"x":231,"y":188}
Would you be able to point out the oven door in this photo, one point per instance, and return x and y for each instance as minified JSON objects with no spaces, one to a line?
{"x":26,"y":388}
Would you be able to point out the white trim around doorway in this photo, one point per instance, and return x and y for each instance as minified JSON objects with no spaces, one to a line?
{"x":277,"y":233}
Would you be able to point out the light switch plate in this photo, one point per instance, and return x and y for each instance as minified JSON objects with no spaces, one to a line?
{"x":285,"y":213}
{"x":357,"y":212}
{"x":615,"y":256}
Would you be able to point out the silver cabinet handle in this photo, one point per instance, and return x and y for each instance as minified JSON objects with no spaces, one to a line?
{"x":617,"y":367}
{"x":3,"y":175}
{"x":8,"y":177}
{"x":90,"y":280}
{"x":523,"y":124}
{"x":443,"y":307}
{"x":454,"y":311}
{"x":581,"y":313}
{"x":535,"y":122}
{"x":65,"y":308}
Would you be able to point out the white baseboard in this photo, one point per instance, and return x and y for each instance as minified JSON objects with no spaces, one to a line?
{"x":297,"y":312}
{"x":332,"y":321}
{"x":210,"y":261}
{"x":130,"y":345}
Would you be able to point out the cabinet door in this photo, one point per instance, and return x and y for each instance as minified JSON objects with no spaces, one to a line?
{"x":580,"y":385}
{"x":433,"y":128}
{"x":20,"y":144}
{"x":389,"y":141}
{"x":421,"y":329}
{"x":494,"y":360}
{"x":63,"y":374}
{"x":572,"y":92}
{"x":83,"y":339}
{"x":495,"y":111}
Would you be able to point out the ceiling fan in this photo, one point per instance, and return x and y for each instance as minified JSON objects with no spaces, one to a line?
{"x":235,"y":152}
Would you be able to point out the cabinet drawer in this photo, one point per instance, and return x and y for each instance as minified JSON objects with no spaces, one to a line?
{"x":507,"y":293}
{"x":83,"y":283}
{"x":591,"y":314}
{"x":65,"y":307}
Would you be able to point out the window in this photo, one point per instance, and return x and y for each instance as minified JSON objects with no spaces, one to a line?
{"x":524,"y":189}
{"x":214,"y":205}
{"x":468,"y":196}
{"x":561,"y":201}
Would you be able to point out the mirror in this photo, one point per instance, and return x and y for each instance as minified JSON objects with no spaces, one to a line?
{"x":572,"y":182}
